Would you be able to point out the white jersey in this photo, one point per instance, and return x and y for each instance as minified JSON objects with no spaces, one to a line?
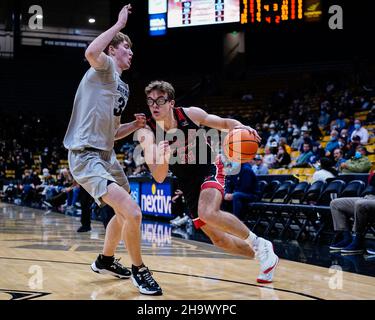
{"x":100,"y":99}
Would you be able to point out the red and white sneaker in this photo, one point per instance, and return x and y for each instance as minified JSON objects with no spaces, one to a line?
{"x":268,"y":260}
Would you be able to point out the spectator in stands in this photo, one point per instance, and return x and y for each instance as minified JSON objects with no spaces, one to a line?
{"x":360,"y":163}
{"x":304,"y":159}
{"x":241,"y":189}
{"x":323,"y":119}
{"x":129,"y":163}
{"x":297,"y":140}
{"x":350,"y":149}
{"x":324,"y":171}
{"x":306,"y":135}
{"x":282,"y":158}
{"x":86,"y":202}
{"x":338,"y":156}
{"x":179,"y":209}
{"x":360,"y":131}
{"x":342,"y":143}
{"x":342,"y":209}
{"x":259,"y":168}
{"x":332,"y":144}
{"x":344,"y":135}
{"x":339,"y":123}
{"x":283,"y":142}
{"x":312,"y":124}
{"x":273,"y":135}
{"x":269,"y":158}
{"x":29,"y":183}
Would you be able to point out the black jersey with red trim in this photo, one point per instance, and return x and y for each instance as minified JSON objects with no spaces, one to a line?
{"x":191,"y":153}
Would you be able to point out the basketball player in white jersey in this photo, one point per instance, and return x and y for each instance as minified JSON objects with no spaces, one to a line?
{"x":202,"y":182}
{"x":94,"y":126}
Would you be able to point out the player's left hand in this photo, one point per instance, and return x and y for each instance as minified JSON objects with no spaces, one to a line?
{"x":140,"y":120}
{"x":251,"y":130}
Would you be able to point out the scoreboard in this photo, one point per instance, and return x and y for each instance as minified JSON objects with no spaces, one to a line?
{"x":165,"y":14}
{"x":184,"y":13}
{"x":278,"y":11}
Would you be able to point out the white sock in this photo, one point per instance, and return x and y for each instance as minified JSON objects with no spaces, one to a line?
{"x":252,"y":239}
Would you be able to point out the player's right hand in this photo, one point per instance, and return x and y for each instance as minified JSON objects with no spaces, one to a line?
{"x":164,"y":151}
{"x":123,"y":15}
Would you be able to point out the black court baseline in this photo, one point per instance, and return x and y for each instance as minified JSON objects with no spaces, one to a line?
{"x":182,"y":274}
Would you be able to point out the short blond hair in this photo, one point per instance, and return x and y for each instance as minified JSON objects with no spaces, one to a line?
{"x":117,"y":39}
{"x":162,"y":86}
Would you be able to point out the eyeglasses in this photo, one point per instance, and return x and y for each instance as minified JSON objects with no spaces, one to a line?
{"x":159,"y":101}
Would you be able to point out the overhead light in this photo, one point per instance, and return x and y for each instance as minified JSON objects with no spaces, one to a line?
{"x":92,"y":20}
{"x":39,"y":16}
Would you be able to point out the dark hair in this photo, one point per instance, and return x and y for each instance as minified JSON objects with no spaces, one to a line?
{"x":161,"y":86}
{"x":326,"y":164}
{"x":356,"y":138}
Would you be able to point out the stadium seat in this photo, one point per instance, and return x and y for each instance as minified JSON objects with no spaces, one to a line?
{"x":353,"y":189}
{"x":298,"y":193}
{"x":261,"y":186}
{"x":276,"y":206}
{"x":295,"y":197}
{"x":282,"y":192}
{"x":333,"y":190}
{"x":371,"y":157}
{"x":368,"y":190}
{"x":326,"y":138}
{"x":269,"y":190}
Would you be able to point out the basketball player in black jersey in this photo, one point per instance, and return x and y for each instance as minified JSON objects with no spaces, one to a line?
{"x":202,"y":183}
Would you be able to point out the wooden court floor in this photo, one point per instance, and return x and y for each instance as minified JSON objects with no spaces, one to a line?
{"x":43,"y":257}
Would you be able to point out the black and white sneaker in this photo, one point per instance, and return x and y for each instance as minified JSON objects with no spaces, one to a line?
{"x":143,"y":280}
{"x":115,"y":268}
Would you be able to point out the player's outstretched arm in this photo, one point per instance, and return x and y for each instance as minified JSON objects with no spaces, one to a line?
{"x":128,"y":128}
{"x":156,"y":156}
{"x":201,"y":117}
{"x":94,"y":52}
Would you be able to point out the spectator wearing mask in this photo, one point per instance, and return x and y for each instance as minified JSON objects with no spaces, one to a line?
{"x":350,"y":149}
{"x":273,"y":136}
{"x":297,"y":140}
{"x":282,"y":158}
{"x":269,"y":157}
{"x":324,"y":171}
{"x":338,"y":156}
{"x":360,"y":163}
{"x":332,"y":144}
{"x":259,"y":168}
{"x":241,"y":189}
{"x":360,"y":132}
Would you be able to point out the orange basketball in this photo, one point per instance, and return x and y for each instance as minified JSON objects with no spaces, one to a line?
{"x":240,"y":145}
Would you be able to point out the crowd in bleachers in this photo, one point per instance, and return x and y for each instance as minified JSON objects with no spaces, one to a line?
{"x":313,"y":134}
{"x":335,"y":124}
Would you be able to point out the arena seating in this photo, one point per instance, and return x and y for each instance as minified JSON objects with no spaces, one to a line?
{"x":301,"y":208}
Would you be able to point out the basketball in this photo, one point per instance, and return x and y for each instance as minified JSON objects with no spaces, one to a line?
{"x":240,"y":145}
